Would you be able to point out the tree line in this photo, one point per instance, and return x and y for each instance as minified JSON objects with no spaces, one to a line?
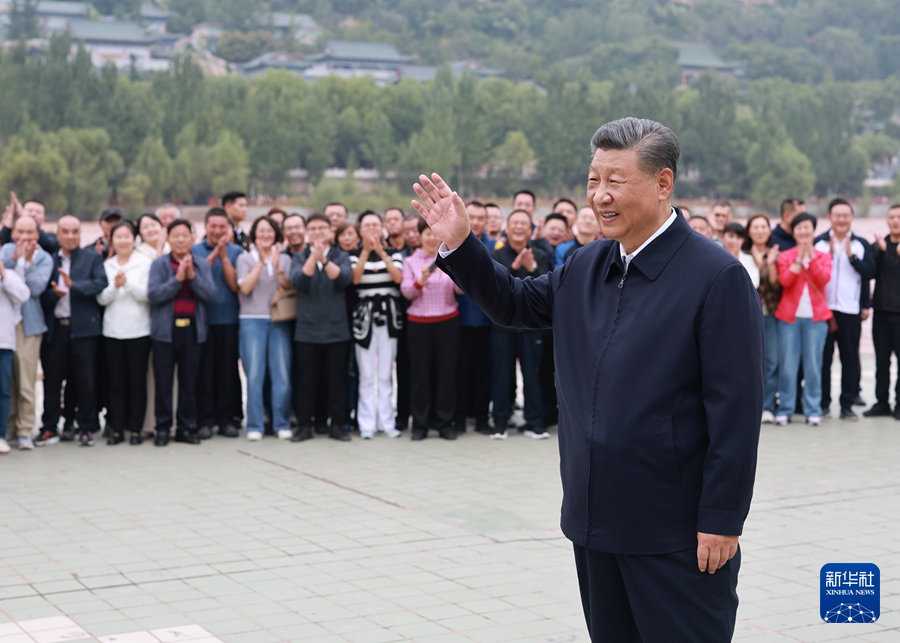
{"x":72,"y":135}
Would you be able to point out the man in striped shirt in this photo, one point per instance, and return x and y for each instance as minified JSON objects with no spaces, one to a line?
{"x":377,"y":320}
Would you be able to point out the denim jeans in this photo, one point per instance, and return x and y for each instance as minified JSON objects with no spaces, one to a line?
{"x":267,"y":345}
{"x":803,"y":340}
{"x":770,"y":382}
{"x":6,"y":369}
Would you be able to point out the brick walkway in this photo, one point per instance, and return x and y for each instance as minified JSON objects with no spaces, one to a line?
{"x":391,"y":540}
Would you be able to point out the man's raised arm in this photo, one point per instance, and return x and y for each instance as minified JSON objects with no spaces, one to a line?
{"x":510,"y":302}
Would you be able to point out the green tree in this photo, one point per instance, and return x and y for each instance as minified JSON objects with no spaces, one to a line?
{"x":879,"y":147}
{"x":92,"y":167}
{"x":378,"y":141}
{"x":154,"y":162}
{"x":240,"y":47}
{"x":37,"y":173}
{"x":317,"y":136}
{"x":228,"y":164}
{"x":433,"y":149}
{"x":513,"y":154}
{"x":777,"y":168}
{"x":133,"y":191}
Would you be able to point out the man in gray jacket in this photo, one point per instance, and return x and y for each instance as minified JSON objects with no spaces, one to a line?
{"x":34,"y":265}
{"x":321,"y":274}
{"x":178,"y":328}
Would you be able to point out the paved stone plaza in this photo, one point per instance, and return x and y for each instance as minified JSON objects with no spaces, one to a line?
{"x":391,"y":540}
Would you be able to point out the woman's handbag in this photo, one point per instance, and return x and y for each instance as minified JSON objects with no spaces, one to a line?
{"x":284,"y":305}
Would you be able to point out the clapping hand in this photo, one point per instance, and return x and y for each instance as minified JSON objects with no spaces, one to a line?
{"x":8,"y":221}
{"x":275,"y":254}
{"x":442,"y":208}
{"x":189,"y":266}
{"x":772,"y":257}
{"x":182,"y":273}
{"x":319,"y":248}
{"x":59,"y":292}
{"x":67,"y":279}
{"x":881,"y":243}
{"x":524,"y":258}
{"x":120,"y":279}
{"x":24,"y":249}
{"x":427,"y":269}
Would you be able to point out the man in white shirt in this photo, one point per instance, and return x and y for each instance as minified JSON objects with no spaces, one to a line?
{"x":852,"y":267}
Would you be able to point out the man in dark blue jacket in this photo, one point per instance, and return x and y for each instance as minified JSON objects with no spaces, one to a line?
{"x":659,"y":346}
{"x":74,"y":324}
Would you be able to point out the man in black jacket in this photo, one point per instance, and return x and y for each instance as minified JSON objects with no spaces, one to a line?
{"x":522,"y":259}
{"x":74,"y":324}
{"x":321,"y":274}
{"x":886,"y":322}
{"x":660,"y":353}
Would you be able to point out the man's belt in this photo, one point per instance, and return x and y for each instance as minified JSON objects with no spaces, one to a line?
{"x":63,"y":321}
{"x":183,"y":322}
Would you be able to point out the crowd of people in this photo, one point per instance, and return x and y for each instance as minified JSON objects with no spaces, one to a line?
{"x":815,"y":292}
{"x":320,"y":313}
{"x":151,"y":325}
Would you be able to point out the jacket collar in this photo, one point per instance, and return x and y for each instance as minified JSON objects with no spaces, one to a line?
{"x":651,"y":260}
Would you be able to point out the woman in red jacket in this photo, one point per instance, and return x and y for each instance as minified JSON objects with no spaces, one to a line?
{"x":803,"y":316}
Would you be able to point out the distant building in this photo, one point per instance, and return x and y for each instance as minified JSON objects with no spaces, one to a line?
{"x":341,"y":54}
{"x":155,"y":20}
{"x":119,"y":42}
{"x":275,"y":60}
{"x":424,"y":73}
{"x":697,"y":58}
{"x":205,"y":35}
{"x":297,"y":26}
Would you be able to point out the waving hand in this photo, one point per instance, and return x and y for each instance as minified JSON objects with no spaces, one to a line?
{"x":442,"y":208}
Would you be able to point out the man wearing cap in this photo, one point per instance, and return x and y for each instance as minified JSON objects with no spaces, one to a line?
{"x":108,"y":218}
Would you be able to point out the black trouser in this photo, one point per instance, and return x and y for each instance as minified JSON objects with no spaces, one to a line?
{"x":473,"y":381}
{"x":432,"y":357}
{"x":218,"y":383}
{"x":847,"y":338}
{"x":656,"y":598}
{"x":506,"y":346}
{"x":65,"y":357}
{"x":886,"y":337}
{"x":316,"y":362}
{"x":126,"y":361}
{"x":184,"y":351}
{"x":404,"y":379}
{"x":548,"y":381}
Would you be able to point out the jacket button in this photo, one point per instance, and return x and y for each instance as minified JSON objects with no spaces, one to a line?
{"x":447,"y":267}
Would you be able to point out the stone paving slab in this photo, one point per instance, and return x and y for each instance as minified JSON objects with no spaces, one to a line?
{"x":394,"y":540}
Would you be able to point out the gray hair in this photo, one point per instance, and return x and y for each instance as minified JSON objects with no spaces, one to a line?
{"x":167,"y":205}
{"x":656,"y":145}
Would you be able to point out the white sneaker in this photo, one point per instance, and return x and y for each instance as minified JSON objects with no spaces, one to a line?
{"x":393,"y":433}
{"x":285,"y":434}
{"x":499,"y":436}
{"x":534,"y":435}
{"x":254,"y":436}
{"x":768,"y":417}
{"x":26,"y":443}
{"x":4,"y":447}
{"x":367,"y":435}
{"x":814,"y":420}
{"x":781,"y":420}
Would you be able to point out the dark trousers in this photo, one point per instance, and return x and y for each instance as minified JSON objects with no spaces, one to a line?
{"x":506,"y":346}
{"x":404,"y":379}
{"x":548,"y":380}
{"x":473,"y":375}
{"x":317,"y":362}
{"x":886,"y":337}
{"x":126,"y":361}
{"x":661,"y":598}
{"x":847,"y":339}
{"x":432,"y":358}
{"x":219,"y":385}
{"x":63,"y":358}
{"x":183,"y":351}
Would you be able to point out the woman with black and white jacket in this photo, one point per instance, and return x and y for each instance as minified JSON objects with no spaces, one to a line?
{"x":126,"y":333}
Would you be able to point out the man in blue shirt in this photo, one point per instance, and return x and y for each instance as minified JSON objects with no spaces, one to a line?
{"x":218,"y":384}
{"x":473,"y":383}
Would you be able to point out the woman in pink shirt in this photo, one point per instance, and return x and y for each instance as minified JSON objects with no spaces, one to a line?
{"x":433,"y":337}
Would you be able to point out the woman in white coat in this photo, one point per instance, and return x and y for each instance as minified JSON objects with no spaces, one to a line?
{"x":126,"y":334}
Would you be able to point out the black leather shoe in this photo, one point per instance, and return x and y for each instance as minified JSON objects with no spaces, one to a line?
{"x":878,"y":410}
{"x":204,"y":432}
{"x":448,"y":434}
{"x":897,"y":412}
{"x":419,"y":434}
{"x":162,"y":438}
{"x":337,"y":433}
{"x":188,"y":437}
{"x":136,"y":438}
{"x":229,"y":431}
{"x":848,"y":415}
{"x":321,"y":429}
{"x":483,"y":428}
{"x":302,"y":433}
{"x":115,"y":438}
{"x":859,"y":401}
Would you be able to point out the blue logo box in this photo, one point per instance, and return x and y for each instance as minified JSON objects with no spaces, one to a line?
{"x":850,"y":593}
